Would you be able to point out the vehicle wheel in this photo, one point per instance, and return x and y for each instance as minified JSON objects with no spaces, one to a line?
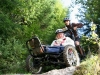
{"x":33,"y":65}
{"x":71,"y":57}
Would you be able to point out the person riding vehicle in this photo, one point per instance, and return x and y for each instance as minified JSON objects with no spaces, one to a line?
{"x":61,"y":39}
{"x":70,"y":30}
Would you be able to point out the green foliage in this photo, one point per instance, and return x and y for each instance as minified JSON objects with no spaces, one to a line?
{"x":91,"y":11}
{"x":7,"y":6}
{"x":8,"y":28}
{"x":93,"y":34}
{"x":91,"y":44}
{"x":45,"y":20}
{"x":19,"y":21}
{"x":89,"y":67}
{"x":5,"y":28}
{"x":12,"y":56}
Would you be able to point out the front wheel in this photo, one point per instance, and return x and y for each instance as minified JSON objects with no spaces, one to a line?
{"x":33,"y":65}
{"x":70,"y":55}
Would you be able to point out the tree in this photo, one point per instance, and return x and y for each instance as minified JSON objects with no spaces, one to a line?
{"x":90,"y":11}
{"x":19,"y":21}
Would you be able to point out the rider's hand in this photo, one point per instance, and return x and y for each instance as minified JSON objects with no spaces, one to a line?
{"x":41,"y":49}
{"x":64,"y":29}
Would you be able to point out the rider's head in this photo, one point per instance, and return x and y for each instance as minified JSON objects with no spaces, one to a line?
{"x":66,"y":21}
{"x":59,"y":34}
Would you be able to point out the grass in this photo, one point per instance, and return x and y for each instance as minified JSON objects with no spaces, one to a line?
{"x":91,"y":66}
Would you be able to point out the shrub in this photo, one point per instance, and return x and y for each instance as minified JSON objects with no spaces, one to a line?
{"x":12,"y":56}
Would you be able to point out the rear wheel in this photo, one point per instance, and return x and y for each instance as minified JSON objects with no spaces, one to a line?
{"x":33,"y":65}
{"x":71,"y":56}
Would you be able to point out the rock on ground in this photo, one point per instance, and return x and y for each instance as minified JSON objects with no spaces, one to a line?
{"x":65,"y":71}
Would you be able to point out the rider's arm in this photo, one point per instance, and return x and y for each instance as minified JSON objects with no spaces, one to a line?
{"x":53,"y":43}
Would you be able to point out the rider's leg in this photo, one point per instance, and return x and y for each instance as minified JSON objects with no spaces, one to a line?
{"x":78,"y":47}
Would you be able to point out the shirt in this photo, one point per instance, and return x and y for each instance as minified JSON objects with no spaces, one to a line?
{"x":65,"y":41}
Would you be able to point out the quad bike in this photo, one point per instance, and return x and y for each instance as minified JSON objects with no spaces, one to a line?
{"x":36,"y":61}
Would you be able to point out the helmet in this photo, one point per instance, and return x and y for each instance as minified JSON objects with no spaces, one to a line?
{"x":59,"y":31}
{"x":66,"y":19}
